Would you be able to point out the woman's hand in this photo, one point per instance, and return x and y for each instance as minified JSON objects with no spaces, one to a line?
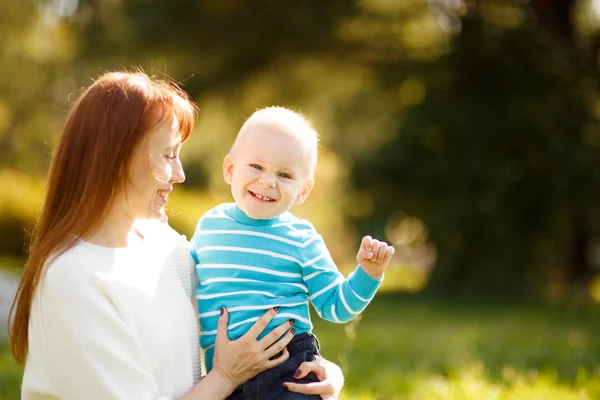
{"x":242,"y":359}
{"x":330,"y":375}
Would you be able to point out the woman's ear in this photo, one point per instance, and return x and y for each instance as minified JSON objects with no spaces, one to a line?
{"x":228,"y":168}
{"x":305,"y":191}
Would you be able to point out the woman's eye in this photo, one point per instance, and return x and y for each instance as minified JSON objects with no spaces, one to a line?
{"x":171,"y":156}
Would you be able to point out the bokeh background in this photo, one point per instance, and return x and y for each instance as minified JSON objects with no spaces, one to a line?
{"x":464,"y":132}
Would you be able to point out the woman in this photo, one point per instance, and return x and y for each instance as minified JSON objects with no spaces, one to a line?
{"x":105,"y":308}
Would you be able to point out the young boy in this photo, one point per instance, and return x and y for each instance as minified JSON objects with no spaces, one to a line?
{"x":254,"y":255}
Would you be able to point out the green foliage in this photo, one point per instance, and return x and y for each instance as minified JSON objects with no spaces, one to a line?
{"x":34,"y":84}
{"x":211,"y":43}
{"x":487,"y":123}
{"x":18,"y":211}
{"x":13,"y":235}
{"x":499,"y":160}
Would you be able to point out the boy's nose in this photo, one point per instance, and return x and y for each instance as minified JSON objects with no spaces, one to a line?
{"x":267,"y":180}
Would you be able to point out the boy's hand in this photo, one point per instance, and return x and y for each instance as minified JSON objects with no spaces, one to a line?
{"x":374,"y":256}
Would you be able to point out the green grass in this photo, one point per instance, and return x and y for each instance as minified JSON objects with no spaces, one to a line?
{"x":10,"y":376}
{"x":414,"y":349}
{"x":403,"y":349}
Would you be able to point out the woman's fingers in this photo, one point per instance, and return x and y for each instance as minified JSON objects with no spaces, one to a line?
{"x":222,"y":336}
{"x":277,"y":361}
{"x":330,"y":376}
{"x":260,"y":325}
{"x":275,"y":334}
{"x":307,"y":367}
{"x":321,"y":388}
{"x":279,"y":346}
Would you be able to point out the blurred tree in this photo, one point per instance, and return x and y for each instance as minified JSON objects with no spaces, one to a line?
{"x":499,"y":158}
{"x":36,"y":49}
{"x":480,"y":118}
{"x":208,"y":43}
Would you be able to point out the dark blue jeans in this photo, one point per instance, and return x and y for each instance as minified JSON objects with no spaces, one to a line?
{"x":268,"y":385}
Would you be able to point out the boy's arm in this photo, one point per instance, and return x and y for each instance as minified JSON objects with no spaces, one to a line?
{"x":336,"y":299}
{"x":191,"y":248}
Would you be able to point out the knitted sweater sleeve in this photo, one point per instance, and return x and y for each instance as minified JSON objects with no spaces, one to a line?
{"x":335,"y":299}
{"x":91,"y":344}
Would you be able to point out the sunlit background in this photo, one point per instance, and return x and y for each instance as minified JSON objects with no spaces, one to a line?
{"x":464,"y":132}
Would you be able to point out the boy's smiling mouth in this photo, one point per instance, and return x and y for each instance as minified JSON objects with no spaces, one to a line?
{"x":260,"y":197}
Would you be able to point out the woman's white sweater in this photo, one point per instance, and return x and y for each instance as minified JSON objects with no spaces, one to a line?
{"x":115,"y":323}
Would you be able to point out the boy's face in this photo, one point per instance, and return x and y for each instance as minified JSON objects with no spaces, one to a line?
{"x":269,"y":171}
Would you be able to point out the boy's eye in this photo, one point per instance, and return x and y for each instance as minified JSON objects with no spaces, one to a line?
{"x":284,"y":175}
{"x":256,"y":166}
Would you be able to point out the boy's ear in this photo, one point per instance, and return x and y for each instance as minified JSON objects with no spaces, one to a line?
{"x":305,"y":191}
{"x":228,"y":168}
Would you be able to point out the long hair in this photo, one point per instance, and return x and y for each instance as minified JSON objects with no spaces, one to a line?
{"x":105,"y":127}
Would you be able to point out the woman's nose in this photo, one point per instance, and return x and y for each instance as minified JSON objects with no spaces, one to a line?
{"x":178,"y":174}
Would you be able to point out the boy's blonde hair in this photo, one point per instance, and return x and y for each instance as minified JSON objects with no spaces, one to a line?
{"x":285,"y":121}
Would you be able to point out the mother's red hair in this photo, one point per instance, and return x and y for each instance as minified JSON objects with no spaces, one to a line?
{"x":105,"y":127}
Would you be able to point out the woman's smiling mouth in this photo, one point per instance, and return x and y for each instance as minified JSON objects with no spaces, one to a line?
{"x":164,"y":195}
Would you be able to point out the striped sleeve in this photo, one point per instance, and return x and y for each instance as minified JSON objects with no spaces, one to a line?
{"x":336,"y":299}
{"x":191,"y":248}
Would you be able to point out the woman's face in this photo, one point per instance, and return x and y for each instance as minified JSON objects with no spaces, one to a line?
{"x":155,"y":168}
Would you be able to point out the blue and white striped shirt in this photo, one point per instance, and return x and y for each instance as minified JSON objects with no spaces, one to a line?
{"x":249,"y":265}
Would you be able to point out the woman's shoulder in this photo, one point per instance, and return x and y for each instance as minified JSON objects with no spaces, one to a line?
{"x":82,"y":258}
{"x":76,"y":270}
